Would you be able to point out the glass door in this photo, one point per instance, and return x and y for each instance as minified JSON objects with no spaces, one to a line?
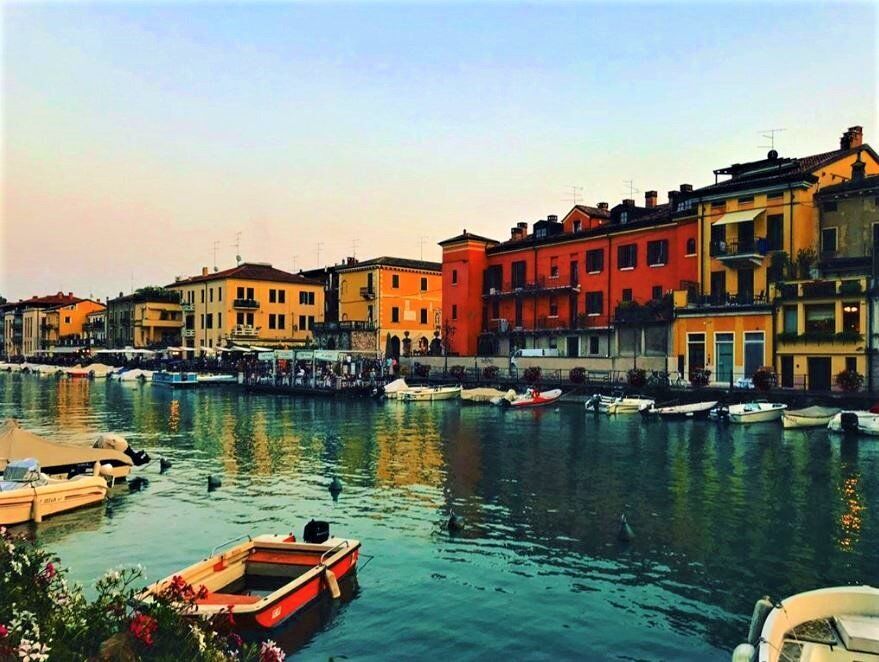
{"x":723,"y":354}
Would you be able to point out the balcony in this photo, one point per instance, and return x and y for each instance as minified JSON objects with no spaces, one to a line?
{"x":820,"y":337}
{"x":187,"y":307}
{"x":247,"y":304}
{"x":188,"y":333}
{"x":367,"y":292}
{"x":724,"y":301}
{"x":740,"y":254}
{"x":534,"y":287}
{"x":547,"y":324}
{"x":820,"y":289}
{"x":632,"y":313}
{"x":245,"y":331}
{"x":343,"y":326}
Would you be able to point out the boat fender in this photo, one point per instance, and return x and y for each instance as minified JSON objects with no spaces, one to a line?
{"x":625,"y":533}
{"x":164,"y":465}
{"x":761,"y":611}
{"x":213,"y":483}
{"x":332,"y":584}
{"x":744,"y":653}
{"x":848,"y":421}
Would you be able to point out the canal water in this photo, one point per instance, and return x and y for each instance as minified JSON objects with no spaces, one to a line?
{"x":722,"y":515}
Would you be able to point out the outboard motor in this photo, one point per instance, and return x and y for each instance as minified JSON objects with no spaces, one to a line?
{"x":316,"y":532}
{"x":118,"y":443}
{"x":139,"y":458}
{"x":848,"y":421}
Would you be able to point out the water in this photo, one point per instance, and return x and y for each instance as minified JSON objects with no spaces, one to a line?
{"x":722,"y":515}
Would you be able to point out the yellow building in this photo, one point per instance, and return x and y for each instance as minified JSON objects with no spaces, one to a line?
{"x":757,"y":227}
{"x":396,"y":297}
{"x":253,"y":303}
{"x":150,"y":318}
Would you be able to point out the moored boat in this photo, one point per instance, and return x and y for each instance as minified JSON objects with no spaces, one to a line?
{"x":480,"y":395}
{"x":855,"y":422}
{"x":269,"y":578}
{"x":621,"y":404}
{"x":755,"y":412}
{"x":427,"y":394}
{"x":692,"y":410}
{"x":28,"y":494}
{"x":217,"y":379}
{"x":175,"y":379}
{"x":533,"y":398}
{"x":809,"y":417}
{"x":840,"y":623}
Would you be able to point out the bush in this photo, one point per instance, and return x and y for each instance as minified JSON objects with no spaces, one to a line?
{"x":699,"y":377}
{"x":458,"y":371}
{"x":577,"y":375}
{"x":765,"y":378}
{"x":637,"y":377}
{"x":43,"y":617}
{"x":532,"y":374}
{"x":850,"y":381}
{"x":490,"y":371}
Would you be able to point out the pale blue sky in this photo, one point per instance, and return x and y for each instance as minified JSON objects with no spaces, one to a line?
{"x":138,"y":134}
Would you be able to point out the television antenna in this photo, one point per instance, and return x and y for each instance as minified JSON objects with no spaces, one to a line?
{"x":237,"y":246}
{"x":319,"y":246}
{"x":421,"y":239}
{"x":630,"y":184}
{"x":215,"y":246}
{"x":294,"y":263}
{"x":573,"y":194}
{"x":354,"y":247}
{"x":769,"y":134}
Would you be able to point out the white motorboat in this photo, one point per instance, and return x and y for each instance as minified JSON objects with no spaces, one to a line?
{"x":623,"y":404}
{"x":856,"y":422}
{"x":427,"y":394}
{"x":755,"y":412}
{"x":839,"y":624}
{"x":133,"y":375}
{"x":217,"y":379}
{"x":692,"y":410}
{"x":810,"y":417}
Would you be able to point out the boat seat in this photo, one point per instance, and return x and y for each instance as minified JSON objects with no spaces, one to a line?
{"x":228,"y":599}
{"x":283,"y":558}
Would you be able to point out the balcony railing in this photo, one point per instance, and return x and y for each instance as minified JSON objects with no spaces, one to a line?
{"x":820,"y":337}
{"x":250,"y":304}
{"x":819,"y":289}
{"x":533,"y":286}
{"x":187,"y":307}
{"x":188,"y":333}
{"x":653,"y":311}
{"x":367,"y":292}
{"x":344,"y":325}
{"x":245,"y":331}
{"x":723,"y":300}
{"x":546,"y":324}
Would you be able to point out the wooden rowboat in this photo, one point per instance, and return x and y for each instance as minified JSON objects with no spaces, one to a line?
{"x":267,"y":579}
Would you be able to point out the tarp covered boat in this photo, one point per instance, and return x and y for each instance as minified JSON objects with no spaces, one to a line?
{"x":270,"y":578}
{"x":809,"y":417}
{"x":855,"y":422}
{"x":481,"y":394}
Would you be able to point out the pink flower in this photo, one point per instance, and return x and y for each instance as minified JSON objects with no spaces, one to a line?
{"x":3,"y":631}
{"x":270,"y":652}
{"x":49,"y":571}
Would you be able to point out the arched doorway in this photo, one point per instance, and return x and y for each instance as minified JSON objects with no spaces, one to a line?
{"x":395,"y":347}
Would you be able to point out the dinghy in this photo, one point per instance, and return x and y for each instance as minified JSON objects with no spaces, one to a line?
{"x":533,"y":398}
{"x":28,"y":494}
{"x":755,"y":412}
{"x":693,"y":410}
{"x":427,"y":394}
{"x":267,"y":579}
{"x":839,"y":623}
{"x":810,"y":417}
{"x":855,"y":422}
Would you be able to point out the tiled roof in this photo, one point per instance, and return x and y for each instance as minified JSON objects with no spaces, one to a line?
{"x":868,"y":182}
{"x":49,"y":301}
{"x":400,"y":262}
{"x":467,"y":235}
{"x":249,"y":271}
{"x":596,"y":212}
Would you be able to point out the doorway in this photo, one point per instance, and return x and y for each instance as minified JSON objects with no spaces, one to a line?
{"x":787,"y":372}
{"x":819,"y":373}
{"x":723,"y":354}
{"x":573,"y":346}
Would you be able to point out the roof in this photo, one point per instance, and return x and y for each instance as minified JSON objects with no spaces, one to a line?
{"x":850,"y":186}
{"x":399,"y":262}
{"x":249,"y":271}
{"x":49,"y":301}
{"x":465,"y":236}
{"x":597,"y":212}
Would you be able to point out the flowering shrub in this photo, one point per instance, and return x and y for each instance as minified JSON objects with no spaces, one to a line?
{"x":577,"y":375}
{"x":43,"y":617}
{"x":490,"y":371}
{"x":532,"y":374}
{"x":765,"y":378}
{"x":850,"y":380}
{"x":457,"y":371}
{"x":637,"y":377}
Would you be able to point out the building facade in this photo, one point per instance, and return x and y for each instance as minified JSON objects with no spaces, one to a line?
{"x":250,"y":303}
{"x":398,"y":300}
{"x":26,"y":329}
{"x":150,"y":318}
{"x":95,"y":330}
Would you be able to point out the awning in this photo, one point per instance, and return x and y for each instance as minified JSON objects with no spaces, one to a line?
{"x":739,"y":216}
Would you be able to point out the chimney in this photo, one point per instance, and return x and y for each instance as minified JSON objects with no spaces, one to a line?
{"x":603,"y":205}
{"x":628,"y":202}
{"x":204,"y":271}
{"x":523,"y":226}
{"x":854,"y":137}
{"x":351,"y":261}
{"x":516,"y":232}
{"x":650,"y":198}
{"x":552,"y":218}
{"x":686,"y":188}
{"x":673,"y":197}
{"x":858,"y":168}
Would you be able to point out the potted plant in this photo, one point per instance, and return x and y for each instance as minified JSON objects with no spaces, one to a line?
{"x":458,"y":372}
{"x":422,"y":370}
{"x":636,"y":377}
{"x":532,"y":374}
{"x":490,"y":371}
{"x":577,"y":375}
{"x":849,"y":381}
{"x":765,"y":378}
{"x":699,"y":377}
{"x":806,"y":258}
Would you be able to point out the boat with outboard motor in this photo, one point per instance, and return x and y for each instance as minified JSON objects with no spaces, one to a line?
{"x":759,"y":411}
{"x":838,"y":624}
{"x":809,"y":417}
{"x":26,"y":493}
{"x":532,"y":397}
{"x":619,"y":404}
{"x":267,"y":579}
{"x":692,"y":410}
{"x":430,"y":394}
{"x":855,"y":422}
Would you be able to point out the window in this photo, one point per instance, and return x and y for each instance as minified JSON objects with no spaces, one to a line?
{"x":656,"y":294}
{"x":424,"y":315}
{"x":540,"y":233}
{"x":211,"y":295}
{"x":395,"y":314}
{"x":657,"y":252}
{"x":302,"y":323}
{"x":239,"y":318}
{"x":311,"y":321}
{"x":754,"y":352}
{"x":395,"y":281}
{"x":272,"y":296}
{"x":595,"y":260}
{"x":745,"y":201}
{"x":454,"y":276}
{"x":518,"y":273}
{"x":775,"y":232}
{"x":219,"y":294}
{"x":239,"y":293}
{"x":695,"y":351}
{"x":201,"y":321}
{"x":282,"y":321}
{"x":593,"y":345}
{"x":202,"y":296}
{"x":820,"y":318}
{"x":424,"y":284}
{"x":306,"y":298}
{"x":851,"y":317}
{"x":828,"y":206}
{"x":249,"y":319}
{"x":553,"y":307}
{"x":282,"y":297}
{"x":594,"y":303}
{"x":271,"y":320}
{"x":627,"y":294}
{"x":553,"y":267}
{"x":67,"y":319}
{"x":454,"y":311}
{"x":250,"y":293}
{"x":691,"y":246}
{"x":627,"y":256}
{"x":790,"y":323}
{"x":495,"y":309}
{"x":774,"y":195}
{"x":828,"y":240}
{"x":219,"y":320}
{"x":576,"y":226}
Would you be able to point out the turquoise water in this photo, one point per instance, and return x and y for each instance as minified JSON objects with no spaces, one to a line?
{"x":722,"y":515}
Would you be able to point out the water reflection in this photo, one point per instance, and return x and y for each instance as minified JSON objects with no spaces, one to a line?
{"x":721,"y":515}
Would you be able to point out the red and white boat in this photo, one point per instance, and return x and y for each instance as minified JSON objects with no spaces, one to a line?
{"x":534,"y":398}
{"x":269,"y":578}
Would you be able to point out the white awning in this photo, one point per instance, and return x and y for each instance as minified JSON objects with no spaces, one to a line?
{"x":739,"y":216}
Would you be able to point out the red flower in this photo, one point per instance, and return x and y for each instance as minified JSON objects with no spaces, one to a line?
{"x":143,"y":627}
{"x":49,"y":571}
{"x":235,"y":641}
{"x":3,"y":631}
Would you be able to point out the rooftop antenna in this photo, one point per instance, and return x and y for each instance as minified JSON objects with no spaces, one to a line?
{"x":216,"y":244}
{"x":237,"y":246}
{"x":630,"y":184}
{"x":573,"y":194}
{"x":294,"y":263}
{"x":319,"y":245}
{"x":769,"y":134}
{"x":421,"y":239}
{"x":131,"y":281}
{"x":354,"y":247}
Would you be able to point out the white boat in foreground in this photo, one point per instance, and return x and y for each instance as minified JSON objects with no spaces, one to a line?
{"x":838,"y":624}
{"x":428,"y":394}
{"x":753,"y":412}
{"x":857,"y":422}
{"x":810,"y":417}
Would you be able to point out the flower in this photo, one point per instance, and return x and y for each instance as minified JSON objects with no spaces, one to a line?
{"x":143,"y":627}
{"x":32,"y":651}
{"x":235,"y":641}
{"x":270,"y":652}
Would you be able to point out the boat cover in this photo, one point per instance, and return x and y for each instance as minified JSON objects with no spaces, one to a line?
{"x":17,"y":443}
{"x":814,"y":412}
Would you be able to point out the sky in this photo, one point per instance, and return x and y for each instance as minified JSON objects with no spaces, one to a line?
{"x":138,"y":136}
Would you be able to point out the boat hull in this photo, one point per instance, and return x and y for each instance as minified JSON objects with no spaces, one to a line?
{"x":27,"y":503}
{"x":542,"y":400}
{"x":681,"y":412}
{"x":760,"y":416}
